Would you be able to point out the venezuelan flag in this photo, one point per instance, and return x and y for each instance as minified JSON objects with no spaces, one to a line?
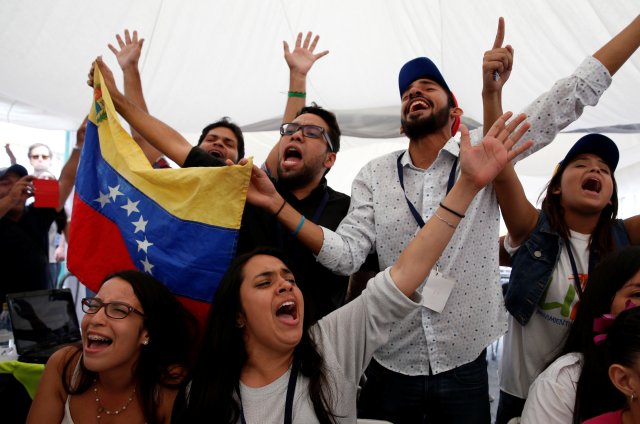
{"x":179,"y":225}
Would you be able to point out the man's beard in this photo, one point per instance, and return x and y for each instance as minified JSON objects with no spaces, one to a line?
{"x":300,"y":178}
{"x":433,"y":123}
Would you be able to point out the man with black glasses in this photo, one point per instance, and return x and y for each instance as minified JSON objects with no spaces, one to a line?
{"x":306,"y":152}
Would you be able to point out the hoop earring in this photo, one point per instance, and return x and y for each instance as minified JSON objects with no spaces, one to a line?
{"x":633,"y":397}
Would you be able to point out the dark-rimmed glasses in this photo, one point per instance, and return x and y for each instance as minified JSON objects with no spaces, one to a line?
{"x":311,"y":131}
{"x":115,"y":310}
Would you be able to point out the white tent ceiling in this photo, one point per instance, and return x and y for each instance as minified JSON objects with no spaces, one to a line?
{"x":206,"y":59}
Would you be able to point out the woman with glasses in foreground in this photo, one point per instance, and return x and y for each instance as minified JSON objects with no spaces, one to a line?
{"x":137,"y":343}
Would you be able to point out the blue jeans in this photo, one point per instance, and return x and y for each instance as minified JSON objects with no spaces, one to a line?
{"x":460,"y":395}
{"x":509,"y":407}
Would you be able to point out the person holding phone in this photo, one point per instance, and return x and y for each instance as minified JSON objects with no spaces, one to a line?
{"x":24,"y":229}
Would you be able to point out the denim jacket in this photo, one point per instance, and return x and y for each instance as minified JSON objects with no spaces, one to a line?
{"x":534,"y":262}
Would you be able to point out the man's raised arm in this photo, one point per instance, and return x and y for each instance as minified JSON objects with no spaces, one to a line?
{"x":164,"y":138}
{"x":300,"y":60}
{"x":128,"y":55}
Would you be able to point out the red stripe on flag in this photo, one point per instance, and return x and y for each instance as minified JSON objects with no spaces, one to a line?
{"x":96,"y":247}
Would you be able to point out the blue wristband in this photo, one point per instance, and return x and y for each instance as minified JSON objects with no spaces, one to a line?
{"x":297,"y":230}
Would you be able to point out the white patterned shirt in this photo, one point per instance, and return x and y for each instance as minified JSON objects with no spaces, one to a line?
{"x":380,"y":220}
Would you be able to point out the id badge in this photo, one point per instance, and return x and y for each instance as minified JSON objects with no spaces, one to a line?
{"x":436,"y":291}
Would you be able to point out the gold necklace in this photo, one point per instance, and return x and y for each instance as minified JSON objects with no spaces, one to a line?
{"x":102,"y":410}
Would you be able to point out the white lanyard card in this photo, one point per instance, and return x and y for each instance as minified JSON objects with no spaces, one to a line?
{"x":436,"y":291}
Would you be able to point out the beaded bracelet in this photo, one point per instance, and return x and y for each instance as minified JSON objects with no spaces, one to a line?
{"x":297,"y":94}
{"x":445,"y":221}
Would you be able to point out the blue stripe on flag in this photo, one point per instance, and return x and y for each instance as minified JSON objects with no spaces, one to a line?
{"x":188,"y":257}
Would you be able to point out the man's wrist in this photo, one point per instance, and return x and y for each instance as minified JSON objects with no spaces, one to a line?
{"x":130,"y":67}
{"x":491,"y":93}
{"x":297,"y":82}
{"x":277,"y":204}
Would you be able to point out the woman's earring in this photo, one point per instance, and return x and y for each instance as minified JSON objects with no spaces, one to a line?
{"x":146,"y":342}
{"x":633,"y":396}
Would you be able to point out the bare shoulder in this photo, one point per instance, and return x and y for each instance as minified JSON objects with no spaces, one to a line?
{"x":48,"y":403}
{"x":63,"y":355}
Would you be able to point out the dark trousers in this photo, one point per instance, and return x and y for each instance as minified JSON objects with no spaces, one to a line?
{"x":460,"y":395}
{"x":509,"y":407}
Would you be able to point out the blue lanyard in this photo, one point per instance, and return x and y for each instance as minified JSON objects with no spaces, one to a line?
{"x":414,"y":212}
{"x":574,"y":268}
{"x":291,"y":389}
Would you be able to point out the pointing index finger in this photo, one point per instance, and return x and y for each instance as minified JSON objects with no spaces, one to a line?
{"x":500,"y":34}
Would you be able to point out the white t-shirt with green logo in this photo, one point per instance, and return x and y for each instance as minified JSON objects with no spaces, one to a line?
{"x":529,"y":349}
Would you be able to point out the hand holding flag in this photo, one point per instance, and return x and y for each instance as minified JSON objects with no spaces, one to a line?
{"x":180,"y":225}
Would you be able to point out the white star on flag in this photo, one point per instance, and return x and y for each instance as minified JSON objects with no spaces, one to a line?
{"x":131,"y":207}
{"x":140,"y":224}
{"x":144,"y":245}
{"x":114,"y":192}
{"x":147,"y":265}
{"x":103,"y":199}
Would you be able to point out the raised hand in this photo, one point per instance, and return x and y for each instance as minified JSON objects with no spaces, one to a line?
{"x":130,"y":49}
{"x":481,"y":163}
{"x":107,"y":75}
{"x":497,"y":62}
{"x":302,"y":57}
{"x":12,"y":158}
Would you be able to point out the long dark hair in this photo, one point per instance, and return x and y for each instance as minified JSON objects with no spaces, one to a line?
{"x":166,"y":360}
{"x":601,"y":237}
{"x":223,"y":355}
{"x":593,"y":396}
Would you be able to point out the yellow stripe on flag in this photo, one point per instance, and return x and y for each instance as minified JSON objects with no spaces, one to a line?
{"x":214,"y":196}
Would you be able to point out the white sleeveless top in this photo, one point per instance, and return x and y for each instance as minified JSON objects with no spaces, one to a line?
{"x":67,"y":413}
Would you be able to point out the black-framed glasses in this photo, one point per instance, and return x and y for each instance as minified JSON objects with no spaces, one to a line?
{"x":44,"y":157}
{"x":311,"y":131}
{"x":115,"y":310}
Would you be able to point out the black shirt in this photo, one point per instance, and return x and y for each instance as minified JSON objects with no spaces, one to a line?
{"x":324,"y":291}
{"x":24,"y":251}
